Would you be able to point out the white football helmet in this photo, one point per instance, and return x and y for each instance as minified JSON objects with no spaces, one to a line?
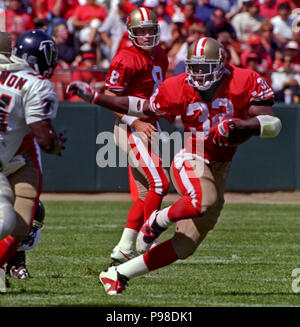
{"x":205,"y":63}
{"x":143,"y":18}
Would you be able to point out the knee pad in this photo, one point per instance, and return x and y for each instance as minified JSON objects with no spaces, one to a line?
{"x":7,"y":217}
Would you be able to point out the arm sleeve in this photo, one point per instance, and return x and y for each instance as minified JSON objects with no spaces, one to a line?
{"x":40,"y":102}
{"x":259,"y":91}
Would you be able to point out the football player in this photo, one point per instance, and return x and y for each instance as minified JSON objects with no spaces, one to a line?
{"x":16,"y":266}
{"x":137,"y":71}
{"x":30,"y":103}
{"x":225,"y":105}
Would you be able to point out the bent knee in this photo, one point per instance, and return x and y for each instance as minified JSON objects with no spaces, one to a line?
{"x":184,"y":246}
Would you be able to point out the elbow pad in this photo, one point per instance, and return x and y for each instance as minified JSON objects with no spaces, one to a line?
{"x":269,"y":126}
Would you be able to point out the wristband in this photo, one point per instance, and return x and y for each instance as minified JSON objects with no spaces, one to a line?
{"x":270,"y":126}
{"x":135,"y":107}
{"x":128,"y":120}
{"x":95,"y":97}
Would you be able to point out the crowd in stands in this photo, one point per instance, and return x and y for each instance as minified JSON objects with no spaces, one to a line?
{"x":262,"y":35}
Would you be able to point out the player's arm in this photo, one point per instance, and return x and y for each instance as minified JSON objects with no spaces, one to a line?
{"x":261,"y":122}
{"x":128,"y":105}
{"x":256,"y":123}
{"x":133,"y":121}
{"x":46,"y":137}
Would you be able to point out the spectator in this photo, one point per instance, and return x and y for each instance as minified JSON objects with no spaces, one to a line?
{"x":17,"y":19}
{"x":227,"y":5}
{"x":253,"y":61}
{"x":255,"y":46}
{"x":67,"y":47}
{"x":113,"y":29}
{"x":268,"y":9}
{"x":189,"y":14}
{"x":232,"y":48}
{"x":173,"y":6}
{"x":218,"y":23}
{"x":87,"y":20}
{"x":179,"y":34}
{"x":89,"y":72}
{"x":53,"y":11}
{"x":248,"y":22}
{"x":292,"y":49}
{"x":195,"y":32}
{"x":283,"y":23}
{"x":286,"y":81}
{"x":164,"y":24}
{"x":269,"y":45}
{"x":204,"y":10}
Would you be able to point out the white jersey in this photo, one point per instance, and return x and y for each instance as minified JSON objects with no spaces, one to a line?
{"x":30,"y":98}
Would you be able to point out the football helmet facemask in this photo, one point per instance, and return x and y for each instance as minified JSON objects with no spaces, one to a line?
{"x":142,"y":25}
{"x":205,"y":63}
{"x":38,"y":49}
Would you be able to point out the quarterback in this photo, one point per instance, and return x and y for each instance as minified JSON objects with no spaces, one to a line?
{"x":137,"y":71}
{"x":227,"y":105}
{"x":28,"y":104}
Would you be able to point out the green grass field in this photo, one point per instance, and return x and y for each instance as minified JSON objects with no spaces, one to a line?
{"x":247,"y":260}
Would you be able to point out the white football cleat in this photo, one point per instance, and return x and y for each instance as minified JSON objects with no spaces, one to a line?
{"x":120,"y":255}
{"x":149,"y":232}
{"x":113,"y":282}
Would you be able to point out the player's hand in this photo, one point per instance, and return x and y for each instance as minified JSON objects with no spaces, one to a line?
{"x":221,"y":132}
{"x":83,"y":90}
{"x":144,"y":128}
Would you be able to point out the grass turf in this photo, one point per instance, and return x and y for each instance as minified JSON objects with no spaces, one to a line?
{"x":247,"y":260}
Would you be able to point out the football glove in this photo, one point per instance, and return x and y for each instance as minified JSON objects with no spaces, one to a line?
{"x":221,"y":132}
{"x":83,"y":90}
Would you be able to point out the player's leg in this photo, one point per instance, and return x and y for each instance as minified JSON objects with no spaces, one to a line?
{"x":7,"y":213}
{"x":190,"y":179}
{"x":146,"y":159}
{"x":188,"y":235}
{"x":16,"y":266}
{"x":152,"y":183}
{"x":26,"y":185}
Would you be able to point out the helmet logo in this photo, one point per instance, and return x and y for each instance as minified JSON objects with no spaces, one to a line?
{"x":48,"y":47}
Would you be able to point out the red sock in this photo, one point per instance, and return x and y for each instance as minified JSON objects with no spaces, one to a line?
{"x":8,"y":248}
{"x":152,"y":202}
{"x":182,"y":209}
{"x":135,"y":218}
{"x":161,"y":255}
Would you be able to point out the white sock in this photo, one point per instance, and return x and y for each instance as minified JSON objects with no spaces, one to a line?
{"x":162,"y":218}
{"x":128,"y":239}
{"x":134,"y":267}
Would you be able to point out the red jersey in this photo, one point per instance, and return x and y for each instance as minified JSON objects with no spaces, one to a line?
{"x":86,"y":13}
{"x":137,"y":73}
{"x":240,"y":89}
